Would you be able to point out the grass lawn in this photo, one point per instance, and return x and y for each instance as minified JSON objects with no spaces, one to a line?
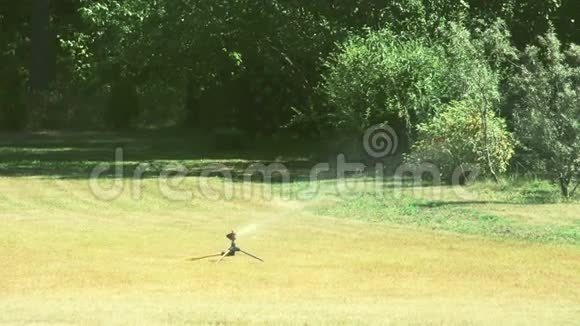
{"x":491,"y":255}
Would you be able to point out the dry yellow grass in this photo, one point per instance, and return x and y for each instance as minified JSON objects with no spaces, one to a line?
{"x":67,"y":258}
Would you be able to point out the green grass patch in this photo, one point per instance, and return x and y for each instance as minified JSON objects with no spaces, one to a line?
{"x":448,"y":217}
{"x":520,"y":190}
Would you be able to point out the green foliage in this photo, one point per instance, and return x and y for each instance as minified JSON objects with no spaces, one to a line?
{"x":474,"y":62}
{"x":455,"y":138}
{"x":383,"y":77}
{"x":525,"y":19}
{"x":547,"y":109}
{"x":268,"y":51}
{"x":177,"y":50}
{"x":519,"y":190}
{"x":418,"y":17}
{"x":380,"y":75}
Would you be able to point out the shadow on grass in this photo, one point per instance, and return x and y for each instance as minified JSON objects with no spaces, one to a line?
{"x":73,"y":155}
{"x":439,"y":204}
{"x":523,"y":198}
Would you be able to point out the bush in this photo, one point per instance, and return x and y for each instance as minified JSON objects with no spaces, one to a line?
{"x":455,"y":137}
{"x":379,"y":75}
{"x":382,"y":74}
{"x":547,"y":108}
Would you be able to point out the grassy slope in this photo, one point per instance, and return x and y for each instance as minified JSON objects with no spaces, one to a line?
{"x":70,"y":258}
{"x":498,"y":211}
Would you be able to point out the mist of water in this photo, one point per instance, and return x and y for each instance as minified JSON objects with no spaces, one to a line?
{"x":248,"y":230}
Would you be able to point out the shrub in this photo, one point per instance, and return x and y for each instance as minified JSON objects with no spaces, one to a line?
{"x":382,"y":74}
{"x":547,"y":108}
{"x":379,"y":75}
{"x":455,"y":137}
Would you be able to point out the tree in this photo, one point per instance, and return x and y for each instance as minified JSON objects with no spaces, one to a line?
{"x":547,"y":112}
{"x":42,"y":62}
{"x":525,"y":19}
{"x":382,"y":76}
{"x":190,"y":49}
{"x":458,"y":136}
{"x":14,"y":22}
{"x":384,"y":73}
{"x":177,"y":53}
{"x":476,"y":60}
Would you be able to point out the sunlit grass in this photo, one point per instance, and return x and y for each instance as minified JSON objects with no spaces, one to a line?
{"x":70,"y":258}
{"x":334,"y":254}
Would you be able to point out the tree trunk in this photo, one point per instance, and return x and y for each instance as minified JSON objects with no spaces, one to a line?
{"x":42,"y":64}
{"x":487,"y":151}
{"x":574,"y":190}
{"x":565,"y":187}
{"x":484,"y":114}
{"x":41,"y":67}
{"x":192,"y":103}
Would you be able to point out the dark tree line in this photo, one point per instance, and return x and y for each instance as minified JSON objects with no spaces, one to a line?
{"x":245,"y":64}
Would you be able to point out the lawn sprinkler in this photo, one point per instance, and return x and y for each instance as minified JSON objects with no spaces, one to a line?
{"x":230,"y":252}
